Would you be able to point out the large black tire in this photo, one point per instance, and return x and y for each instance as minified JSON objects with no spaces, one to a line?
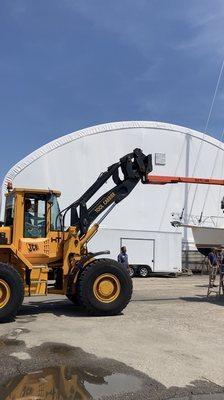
{"x":97,"y":271}
{"x":73,"y":298}
{"x":11,"y":292}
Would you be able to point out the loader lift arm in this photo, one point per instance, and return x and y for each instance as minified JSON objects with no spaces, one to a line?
{"x":163,"y":180}
{"x":126,"y":174}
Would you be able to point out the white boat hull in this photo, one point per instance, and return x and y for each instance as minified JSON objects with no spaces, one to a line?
{"x":207,"y":237}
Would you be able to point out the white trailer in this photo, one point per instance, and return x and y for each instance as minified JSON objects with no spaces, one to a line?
{"x":160,"y":252}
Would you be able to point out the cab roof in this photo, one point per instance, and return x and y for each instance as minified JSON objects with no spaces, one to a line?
{"x":34,"y":191}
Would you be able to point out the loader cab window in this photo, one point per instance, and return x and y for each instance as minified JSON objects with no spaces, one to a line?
{"x":34,"y":216}
{"x":9,"y":209}
{"x":56,"y":224}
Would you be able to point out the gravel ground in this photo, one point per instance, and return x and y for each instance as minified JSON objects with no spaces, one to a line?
{"x":167,"y":344}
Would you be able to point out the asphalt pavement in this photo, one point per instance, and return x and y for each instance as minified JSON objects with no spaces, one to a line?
{"x":167,"y":344}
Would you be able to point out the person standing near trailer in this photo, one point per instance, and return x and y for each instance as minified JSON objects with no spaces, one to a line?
{"x":123,"y":257}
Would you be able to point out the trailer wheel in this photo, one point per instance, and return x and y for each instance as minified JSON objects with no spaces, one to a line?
{"x":131,"y":271}
{"x":105,"y":287}
{"x":11,"y":292}
{"x":143,"y":272}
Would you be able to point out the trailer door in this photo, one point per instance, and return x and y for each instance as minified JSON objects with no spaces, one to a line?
{"x":140,"y":251}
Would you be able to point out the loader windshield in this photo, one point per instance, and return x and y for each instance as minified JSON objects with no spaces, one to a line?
{"x":35,"y":216}
{"x":9,"y":209}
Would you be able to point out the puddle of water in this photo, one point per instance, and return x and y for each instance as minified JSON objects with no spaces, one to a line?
{"x":115,"y":384}
{"x":68,"y":383}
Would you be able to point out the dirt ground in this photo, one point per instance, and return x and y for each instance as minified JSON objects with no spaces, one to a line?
{"x":168,"y":343}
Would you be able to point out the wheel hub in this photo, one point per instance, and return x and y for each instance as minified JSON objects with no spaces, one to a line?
{"x":144,"y":271}
{"x":5,"y":293}
{"x":106,"y":288}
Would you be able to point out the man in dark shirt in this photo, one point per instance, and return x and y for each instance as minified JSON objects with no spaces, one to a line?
{"x":123,"y":257}
{"x":212,"y":257}
{"x":213,"y":264}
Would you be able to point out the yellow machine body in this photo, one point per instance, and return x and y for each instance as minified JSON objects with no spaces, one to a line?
{"x":52,"y":251}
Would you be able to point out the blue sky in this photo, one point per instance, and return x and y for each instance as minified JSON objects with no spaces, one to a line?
{"x":69,"y":64}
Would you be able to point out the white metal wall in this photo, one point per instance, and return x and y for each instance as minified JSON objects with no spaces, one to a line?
{"x":73,"y":162}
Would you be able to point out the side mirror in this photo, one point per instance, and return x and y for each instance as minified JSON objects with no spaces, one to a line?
{"x":50,"y":198}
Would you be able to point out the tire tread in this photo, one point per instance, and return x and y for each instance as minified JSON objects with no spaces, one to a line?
{"x":7,"y":270}
{"x":82,"y":280}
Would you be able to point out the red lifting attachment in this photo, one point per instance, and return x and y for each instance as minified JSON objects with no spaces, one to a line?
{"x":162,"y":180}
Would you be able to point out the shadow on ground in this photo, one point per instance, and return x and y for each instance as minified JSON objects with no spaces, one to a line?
{"x":214,"y":299}
{"x":56,"y":307}
{"x":205,"y":286}
{"x":31,"y":310}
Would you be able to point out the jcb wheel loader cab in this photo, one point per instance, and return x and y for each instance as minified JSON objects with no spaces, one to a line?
{"x":11,"y":292}
{"x":105,"y":287}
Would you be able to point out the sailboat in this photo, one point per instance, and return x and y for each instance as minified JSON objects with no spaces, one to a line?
{"x":207,"y":238}
{"x":207,"y":232}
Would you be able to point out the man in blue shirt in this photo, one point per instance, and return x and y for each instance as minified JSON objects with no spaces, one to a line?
{"x":212,"y":257}
{"x":123,"y":257}
{"x":213,"y":264}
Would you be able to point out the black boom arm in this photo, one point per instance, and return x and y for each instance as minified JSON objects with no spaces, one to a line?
{"x":133,"y":167}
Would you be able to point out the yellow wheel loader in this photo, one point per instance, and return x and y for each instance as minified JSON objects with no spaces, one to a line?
{"x":40,"y":255}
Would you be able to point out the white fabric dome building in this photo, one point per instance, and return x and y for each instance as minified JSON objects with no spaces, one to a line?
{"x":142,"y":221}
